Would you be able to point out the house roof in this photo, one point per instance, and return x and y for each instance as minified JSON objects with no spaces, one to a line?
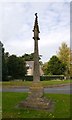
{"x":30,"y":64}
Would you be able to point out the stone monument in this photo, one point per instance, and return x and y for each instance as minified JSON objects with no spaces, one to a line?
{"x":36,"y":71}
{"x":36,"y":100}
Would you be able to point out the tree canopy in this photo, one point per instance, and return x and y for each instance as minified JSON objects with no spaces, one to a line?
{"x":64,"y":56}
{"x":4,"y":66}
{"x":12,"y":66}
{"x":64,"y":53}
{"x":29,"y":57}
{"x":55,"y":66}
{"x":44,"y":68}
{"x":71,"y":63}
{"x":16,"y":67}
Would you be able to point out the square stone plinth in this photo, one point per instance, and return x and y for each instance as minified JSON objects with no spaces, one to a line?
{"x":36,"y":99}
{"x":36,"y":90}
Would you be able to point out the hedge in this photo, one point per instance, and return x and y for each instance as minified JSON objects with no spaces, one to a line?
{"x":51,"y":77}
{"x":45,"y":77}
{"x":28,"y":78}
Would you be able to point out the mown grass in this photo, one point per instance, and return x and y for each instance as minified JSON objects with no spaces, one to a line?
{"x":0,"y":105}
{"x":11,"y":99}
{"x":29,"y":83}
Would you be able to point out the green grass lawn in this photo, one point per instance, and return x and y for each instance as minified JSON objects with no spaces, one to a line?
{"x":11,"y":99}
{"x":27,"y":83}
{"x":0,"y":105}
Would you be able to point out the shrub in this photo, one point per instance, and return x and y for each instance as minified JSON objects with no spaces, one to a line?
{"x":51,"y":77}
{"x":28,"y":78}
{"x":45,"y":77}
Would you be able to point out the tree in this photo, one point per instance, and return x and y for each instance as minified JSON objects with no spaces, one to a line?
{"x":12,"y":66}
{"x":4,"y":66}
{"x":71,"y":63}
{"x":21,"y":68}
{"x":30,"y":57}
{"x":55,"y":66}
{"x":64,"y":55}
{"x":6,"y":56}
{"x":16,"y":67}
{"x":44,"y":68}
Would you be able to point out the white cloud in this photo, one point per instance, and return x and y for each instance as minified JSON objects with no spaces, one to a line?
{"x":35,"y":1}
{"x":17,"y":21}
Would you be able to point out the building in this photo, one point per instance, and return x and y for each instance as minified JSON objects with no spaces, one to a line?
{"x":30,"y":65}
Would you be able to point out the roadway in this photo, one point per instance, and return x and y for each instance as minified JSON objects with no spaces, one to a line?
{"x":67,"y":89}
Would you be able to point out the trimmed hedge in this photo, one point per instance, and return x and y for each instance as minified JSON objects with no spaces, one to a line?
{"x":45,"y":77}
{"x":28,"y":78}
{"x":51,"y":77}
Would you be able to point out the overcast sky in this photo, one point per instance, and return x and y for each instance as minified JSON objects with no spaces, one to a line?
{"x":17,"y":21}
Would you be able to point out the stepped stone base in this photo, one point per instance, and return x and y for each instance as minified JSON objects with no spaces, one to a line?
{"x":35,"y":100}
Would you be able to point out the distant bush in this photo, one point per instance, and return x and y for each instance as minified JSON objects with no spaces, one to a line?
{"x":28,"y":78}
{"x":51,"y":77}
{"x":45,"y":77}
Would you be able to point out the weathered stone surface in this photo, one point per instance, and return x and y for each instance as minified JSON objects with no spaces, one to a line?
{"x":36,"y":103}
{"x":36,"y":100}
{"x":36,"y":90}
{"x":36,"y":71}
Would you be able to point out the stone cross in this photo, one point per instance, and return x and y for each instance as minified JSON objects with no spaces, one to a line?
{"x":36,"y":99}
{"x":36,"y":70}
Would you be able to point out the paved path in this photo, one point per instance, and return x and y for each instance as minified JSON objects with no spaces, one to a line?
{"x":63,"y":89}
